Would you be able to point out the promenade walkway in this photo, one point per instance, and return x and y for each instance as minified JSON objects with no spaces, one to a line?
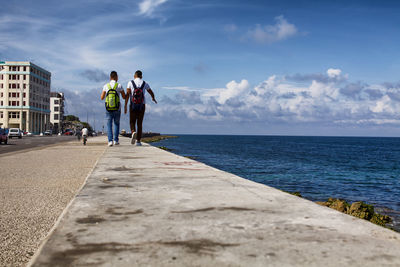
{"x":143,"y":206}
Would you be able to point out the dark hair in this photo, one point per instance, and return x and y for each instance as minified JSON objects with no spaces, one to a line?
{"x":113,"y":74}
{"x":139,"y":74}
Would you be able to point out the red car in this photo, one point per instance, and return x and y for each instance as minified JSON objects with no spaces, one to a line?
{"x":69,"y":133}
{"x":3,"y":136}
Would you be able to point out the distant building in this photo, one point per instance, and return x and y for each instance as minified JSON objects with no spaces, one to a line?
{"x":24,"y":96}
{"x":56,"y":111}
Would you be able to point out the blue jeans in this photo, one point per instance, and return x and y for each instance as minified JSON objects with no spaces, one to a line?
{"x":113,"y":116}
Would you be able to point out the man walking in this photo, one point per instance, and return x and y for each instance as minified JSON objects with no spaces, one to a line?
{"x":111,"y":92}
{"x":136,"y":91}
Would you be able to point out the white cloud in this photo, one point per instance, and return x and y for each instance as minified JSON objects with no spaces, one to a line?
{"x":332,"y":73}
{"x":281,"y":30}
{"x":277,"y":100}
{"x":147,"y":7}
{"x":233,"y":89}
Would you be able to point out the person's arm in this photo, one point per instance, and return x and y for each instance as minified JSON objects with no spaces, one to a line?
{"x":123,"y":94}
{"x":152,"y":95}
{"x":103,"y":95}
{"x":128,"y":93}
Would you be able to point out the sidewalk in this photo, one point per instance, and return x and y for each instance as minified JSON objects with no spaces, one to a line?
{"x":143,"y":206}
{"x":36,"y":184}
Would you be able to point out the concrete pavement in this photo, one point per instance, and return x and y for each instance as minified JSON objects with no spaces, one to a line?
{"x":143,"y":206}
{"x":35,"y":187}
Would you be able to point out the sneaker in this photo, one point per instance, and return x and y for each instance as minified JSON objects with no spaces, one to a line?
{"x":116,"y":143}
{"x":110,"y":143}
{"x":133,"y":138}
{"x":138,"y":143}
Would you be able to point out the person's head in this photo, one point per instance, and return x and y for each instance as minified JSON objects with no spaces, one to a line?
{"x":138,"y":74}
{"x":114,"y":76}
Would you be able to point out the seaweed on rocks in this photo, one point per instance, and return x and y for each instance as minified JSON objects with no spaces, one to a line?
{"x":357,"y":209}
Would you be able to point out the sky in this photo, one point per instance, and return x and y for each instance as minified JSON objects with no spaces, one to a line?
{"x":221,"y":67}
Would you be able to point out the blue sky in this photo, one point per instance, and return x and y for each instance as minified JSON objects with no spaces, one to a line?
{"x":222,"y":67}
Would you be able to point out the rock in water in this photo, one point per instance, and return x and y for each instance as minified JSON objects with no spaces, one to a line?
{"x":337,"y":204}
{"x":380,"y":219}
{"x":361,"y":210}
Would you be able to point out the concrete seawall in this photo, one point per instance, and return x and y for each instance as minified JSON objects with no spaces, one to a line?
{"x":142,"y":206}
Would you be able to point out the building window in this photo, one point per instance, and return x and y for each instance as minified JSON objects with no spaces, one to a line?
{"x":1,"y":114}
{"x":24,"y":95}
{"x":56,"y":102}
{"x":24,"y":103}
{"x":1,"y":77}
{"x":24,"y":70}
{"x":1,"y":94}
{"x":56,"y":116}
{"x":56,"y":108}
{"x":13,"y":115}
{"x":1,"y":85}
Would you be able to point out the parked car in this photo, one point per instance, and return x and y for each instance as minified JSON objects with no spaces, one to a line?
{"x":3,"y":136}
{"x":48,"y":132}
{"x":14,"y":132}
{"x":69,"y":133}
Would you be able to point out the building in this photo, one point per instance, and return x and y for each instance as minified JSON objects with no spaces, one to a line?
{"x":24,"y":96}
{"x":56,"y":111}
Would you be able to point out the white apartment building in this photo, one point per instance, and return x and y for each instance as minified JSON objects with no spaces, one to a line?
{"x":56,"y":111}
{"x":24,"y":96}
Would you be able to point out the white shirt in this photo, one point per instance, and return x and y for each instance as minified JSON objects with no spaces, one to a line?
{"x":112,"y":83}
{"x":85,"y":131}
{"x":139,"y":83}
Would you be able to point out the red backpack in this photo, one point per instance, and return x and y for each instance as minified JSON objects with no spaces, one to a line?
{"x":137,"y":100}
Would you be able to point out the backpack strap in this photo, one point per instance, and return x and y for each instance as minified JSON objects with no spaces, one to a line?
{"x":141,"y":87}
{"x":115,"y":86}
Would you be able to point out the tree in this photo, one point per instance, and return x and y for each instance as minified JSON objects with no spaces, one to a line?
{"x":71,"y":118}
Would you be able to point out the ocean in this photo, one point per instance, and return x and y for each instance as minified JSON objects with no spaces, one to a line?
{"x":351,"y":168}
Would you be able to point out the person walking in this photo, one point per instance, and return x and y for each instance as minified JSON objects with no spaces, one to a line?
{"x":85,"y":133}
{"x":111,"y":92}
{"x":136,"y":92}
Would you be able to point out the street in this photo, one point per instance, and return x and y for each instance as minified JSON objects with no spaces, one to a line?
{"x":26,"y":142}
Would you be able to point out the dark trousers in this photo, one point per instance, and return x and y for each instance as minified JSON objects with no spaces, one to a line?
{"x":137,"y":117}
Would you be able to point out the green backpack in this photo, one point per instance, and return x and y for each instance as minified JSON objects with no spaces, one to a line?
{"x":112,"y":98}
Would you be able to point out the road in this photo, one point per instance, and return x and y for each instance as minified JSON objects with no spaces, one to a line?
{"x":16,"y":144}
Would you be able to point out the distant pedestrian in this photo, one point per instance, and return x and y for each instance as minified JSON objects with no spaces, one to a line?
{"x":136,"y":92}
{"x":85,"y":133}
{"x":111,"y":92}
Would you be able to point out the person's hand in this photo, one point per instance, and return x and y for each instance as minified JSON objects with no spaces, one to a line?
{"x":154,"y":100}
{"x":125,"y":109}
